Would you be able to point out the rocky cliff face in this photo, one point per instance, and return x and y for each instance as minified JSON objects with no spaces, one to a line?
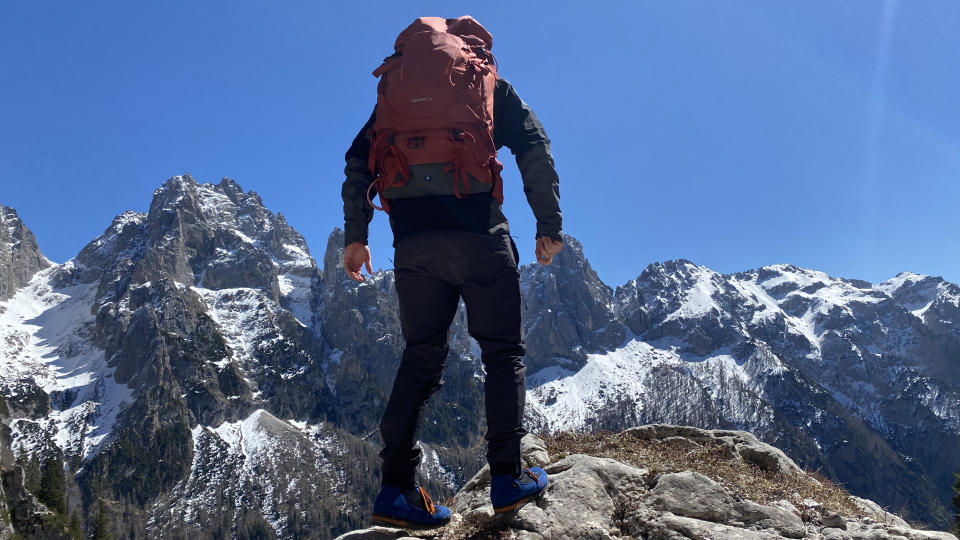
{"x":197,"y":373}
{"x":20,"y":257}
{"x":678,"y":490}
{"x":20,"y":511}
{"x":200,"y":314}
{"x":568,"y":311}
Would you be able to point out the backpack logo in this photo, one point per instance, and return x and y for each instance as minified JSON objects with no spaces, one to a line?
{"x":415,"y":143}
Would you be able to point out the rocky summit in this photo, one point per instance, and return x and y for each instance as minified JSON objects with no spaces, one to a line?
{"x":195,"y":372}
{"x":20,"y":257}
{"x":597,"y":497}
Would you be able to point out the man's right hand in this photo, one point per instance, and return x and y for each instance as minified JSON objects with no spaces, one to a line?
{"x":355,"y":256}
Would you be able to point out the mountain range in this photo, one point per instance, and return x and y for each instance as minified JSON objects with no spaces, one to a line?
{"x":194,"y":370}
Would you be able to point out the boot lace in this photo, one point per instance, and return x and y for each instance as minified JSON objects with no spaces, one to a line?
{"x":427,"y":502}
{"x":529,"y":473}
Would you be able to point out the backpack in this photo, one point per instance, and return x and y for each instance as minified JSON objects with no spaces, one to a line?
{"x":433,"y":132}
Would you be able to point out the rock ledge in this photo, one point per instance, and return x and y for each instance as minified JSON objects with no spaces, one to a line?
{"x":598,"y":498}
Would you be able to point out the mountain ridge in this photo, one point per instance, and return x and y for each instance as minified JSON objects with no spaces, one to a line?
{"x":208,"y":312}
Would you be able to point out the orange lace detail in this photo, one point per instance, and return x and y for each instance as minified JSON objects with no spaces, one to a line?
{"x":427,"y":502}
{"x":530,"y":474}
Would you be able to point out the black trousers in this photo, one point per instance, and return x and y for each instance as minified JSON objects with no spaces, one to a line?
{"x":433,"y":271}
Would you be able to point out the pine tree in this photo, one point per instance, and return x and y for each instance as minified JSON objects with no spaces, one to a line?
{"x":53,"y":492}
{"x":31,"y":474}
{"x":100,"y":529}
{"x":956,"y":505}
{"x":76,"y":526}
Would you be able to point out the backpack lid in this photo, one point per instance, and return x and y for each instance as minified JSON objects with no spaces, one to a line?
{"x":465,"y":27}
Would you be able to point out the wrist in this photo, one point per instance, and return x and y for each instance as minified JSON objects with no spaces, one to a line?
{"x":556,"y":237}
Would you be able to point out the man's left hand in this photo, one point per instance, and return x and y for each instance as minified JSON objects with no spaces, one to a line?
{"x":546,"y":249}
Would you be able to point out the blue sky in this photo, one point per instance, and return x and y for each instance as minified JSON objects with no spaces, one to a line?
{"x":734,"y":134}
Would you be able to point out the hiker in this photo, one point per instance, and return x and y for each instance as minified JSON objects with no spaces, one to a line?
{"x":429,"y":152}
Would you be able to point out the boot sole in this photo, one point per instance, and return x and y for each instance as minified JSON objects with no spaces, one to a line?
{"x":394,"y":522}
{"x":518,"y":504}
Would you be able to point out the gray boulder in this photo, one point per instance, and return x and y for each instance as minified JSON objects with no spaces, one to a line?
{"x":692,"y":495}
{"x":762,"y":517}
{"x":670,"y":527}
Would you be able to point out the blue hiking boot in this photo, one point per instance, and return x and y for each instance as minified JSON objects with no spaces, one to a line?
{"x":508,"y":492}
{"x":411,"y":508}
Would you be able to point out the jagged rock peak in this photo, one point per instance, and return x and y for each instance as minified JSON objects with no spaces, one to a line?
{"x":769,"y":276}
{"x":333,"y":256}
{"x":670,"y":289}
{"x":20,"y":256}
{"x":214,"y":236}
{"x":686,"y":269}
{"x":184,"y":193}
{"x":671,"y":266}
{"x":128,"y":217}
{"x":678,"y":273}
{"x":568,"y":310}
{"x":224,"y":208}
{"x":908,"y":281}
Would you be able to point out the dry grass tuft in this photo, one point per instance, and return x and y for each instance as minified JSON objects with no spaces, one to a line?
{"x":713,"y":460}
{"x":477,"y":527}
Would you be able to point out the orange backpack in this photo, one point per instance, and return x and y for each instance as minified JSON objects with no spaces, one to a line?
{"x":435,"y":106}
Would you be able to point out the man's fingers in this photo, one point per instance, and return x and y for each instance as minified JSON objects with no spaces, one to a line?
{"x":543,"y":257}
{"x":352,"y":271}
{"x":355,"y":257}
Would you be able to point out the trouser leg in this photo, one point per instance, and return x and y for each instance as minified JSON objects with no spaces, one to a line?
{"x":493,"y":315}
{"x":427,"y":307}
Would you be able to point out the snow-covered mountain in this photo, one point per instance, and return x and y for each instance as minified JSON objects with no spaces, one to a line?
{"x":156,"y":359}
{"x":196,"y":372}
{"x":855,"y":379}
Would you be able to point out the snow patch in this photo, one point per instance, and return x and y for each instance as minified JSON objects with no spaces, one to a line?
{"x":894,"y":284}
{"x":297,"y":292}
{"x":248,"y":462}
{"x":44,"y":338}
{"x":568,"y":401}
{"x":246,"y":318}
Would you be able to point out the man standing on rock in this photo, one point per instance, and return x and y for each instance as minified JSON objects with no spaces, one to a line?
{"x":429,"y":152}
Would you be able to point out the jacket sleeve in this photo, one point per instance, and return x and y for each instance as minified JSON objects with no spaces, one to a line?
{"x":357,"y":213}
{"x":517,"y":128}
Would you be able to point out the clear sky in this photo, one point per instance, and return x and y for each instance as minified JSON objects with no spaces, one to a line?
{"x":735,"y":134}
